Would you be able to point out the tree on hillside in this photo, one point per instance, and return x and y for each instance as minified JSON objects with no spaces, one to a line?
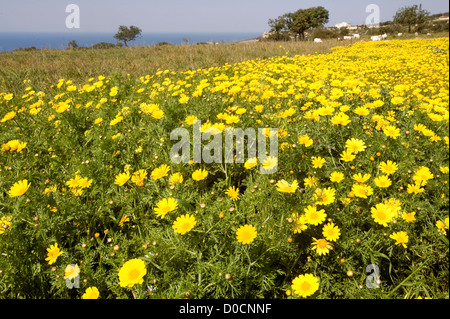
{"x":277,"y":26}
{"x":72,"y":45}
{"x":127,"y":34}
{"x":302,"y":20}
{"x":411,"y":16}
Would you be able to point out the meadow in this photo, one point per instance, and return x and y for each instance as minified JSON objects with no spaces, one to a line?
{"x":92,"y":205}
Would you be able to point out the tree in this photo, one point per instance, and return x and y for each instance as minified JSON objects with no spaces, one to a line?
{"x":411,"y":16}
{"x":303,"y":20}
{"x":72,"y":45}
{"x":127,"y":34}
{"x":277,"y":25}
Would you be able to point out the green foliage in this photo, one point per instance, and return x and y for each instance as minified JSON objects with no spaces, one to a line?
{"x":127,"y":34}
{"x":411,"y":16}
{"x":300,"y":21}
{"x":208,"y":262}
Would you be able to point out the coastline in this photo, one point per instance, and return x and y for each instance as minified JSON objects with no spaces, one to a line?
{"x":30,"y":41}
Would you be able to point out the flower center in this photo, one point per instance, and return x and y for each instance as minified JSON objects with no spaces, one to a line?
{"x":322,"y":243}
{"x":305,"y":286}
{"x":133,"y":274}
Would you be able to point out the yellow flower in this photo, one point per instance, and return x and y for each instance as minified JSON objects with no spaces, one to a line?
{"x":165,"y":206}
{"x":176,"y":178}
{"x":71,"y":88}
{"x":340,"y":119}
{"x":91,"y":293}
{"x":321,"y":246}
{"x":270,"y":163}
{"x":123,"y":220}
{"x":409,"y":217}
{"x":284,"y":187}
{"x":299,"y":223}
{"x":246,"y":234}
{"x":381,"y":214}
{"x":71,"y":272}
{"x":158,"y":114}
{"x":184,"y":224}
{"x":324,"y":196}
{"x":391,"y":131}
{"x":305,"y":285}
{"x":362,"y":179}
{"x":117,"y":119}
{"x":74,"y":182}
{"x":397,"y":100}
{"x":199,"y":174}
{"x":355,"y":145}
{"x":310,"y":181}
{"x":138,"y":177}
{"x":347,"y":156}
{"x":241,"y":111}
{"x":259,"y":108}
{"x":231,"y":119}
{"x":318,"y":162}
{"x":388,"y":167}
{"x":331,"y":232}
{"x":19,"y":188}
{"x":115,"y":136}
{"x":250,"y":163}
{"x":305,"y":140}
{"x":13,"y":146}
{"x":314,"y":216}
{"x":442,"y":226}
{"x":336,"y":177}
{"x":233,"y":193}
{"x":414,"y":188}
{"x":191,"y":119}
{"x":8,"y":116}
{"x":132,"y":272}
{"x":8,"y":96}
{"x":53,"y":253}
{"x":122,"y":178}
{"x":148,"y":108}
{"x":160,"y":172}
{"x":98,"y":120}
{"x":362,"y":190}
{"x":422,"y":175}
{"x":184,"y":99}
{"x":382,"y":181}
{"x":61,"y":107}
{"x":401,"y":238}
{"x":113,"y":91}
{"x":5,"y":223}
{"x":84,"y":183}
{"x":361,"y":111}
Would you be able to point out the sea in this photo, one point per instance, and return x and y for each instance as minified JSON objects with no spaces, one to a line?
{"x":9,"y":41}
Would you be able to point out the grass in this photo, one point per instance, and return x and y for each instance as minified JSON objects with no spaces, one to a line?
{"x":104,"y":130}
{"x":46,"y":67}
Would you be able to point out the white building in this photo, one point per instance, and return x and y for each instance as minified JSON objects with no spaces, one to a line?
{"x":343,"y":25}
{"x":442,"y":18}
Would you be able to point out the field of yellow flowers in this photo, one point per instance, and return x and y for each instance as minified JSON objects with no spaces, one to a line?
{"x":92,"y":205}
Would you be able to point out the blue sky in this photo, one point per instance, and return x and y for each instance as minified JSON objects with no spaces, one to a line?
{"x":185,"y":15}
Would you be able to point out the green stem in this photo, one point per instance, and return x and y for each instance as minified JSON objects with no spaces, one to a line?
{"x":406,"y":279}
